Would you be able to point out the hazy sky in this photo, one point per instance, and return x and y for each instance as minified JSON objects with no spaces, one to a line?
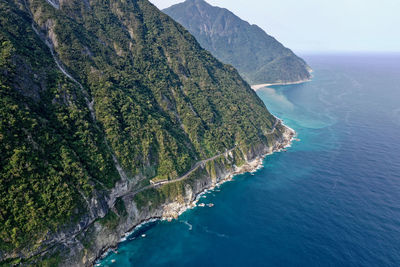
{"x":321,"y":25}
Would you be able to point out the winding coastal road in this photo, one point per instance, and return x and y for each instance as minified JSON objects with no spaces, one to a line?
{"x":183,"y":177}
{"x":196,"y":166}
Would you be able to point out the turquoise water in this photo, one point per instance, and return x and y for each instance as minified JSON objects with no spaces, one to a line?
{"x":333,"y":199}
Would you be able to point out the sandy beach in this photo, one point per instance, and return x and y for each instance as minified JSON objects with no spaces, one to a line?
{"x":256,"y":87}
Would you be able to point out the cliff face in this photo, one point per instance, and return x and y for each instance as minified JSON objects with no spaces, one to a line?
{"x":111,"y":113}
{"x":258,"y":57}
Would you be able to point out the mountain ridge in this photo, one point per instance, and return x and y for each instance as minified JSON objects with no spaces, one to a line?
{"x":104,"y":105}
{"x":259,"y":57}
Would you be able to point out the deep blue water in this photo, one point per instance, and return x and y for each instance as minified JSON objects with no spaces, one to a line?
{"x":332,"y":200}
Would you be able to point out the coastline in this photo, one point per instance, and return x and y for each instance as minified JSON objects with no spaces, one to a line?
{"x":249,"y":167}
{"x":256,"y":87}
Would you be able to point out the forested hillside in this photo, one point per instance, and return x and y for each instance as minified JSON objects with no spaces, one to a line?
{"x":98,"y":92}
{"x":259,"y":57}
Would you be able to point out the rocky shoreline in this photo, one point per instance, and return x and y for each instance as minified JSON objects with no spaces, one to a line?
{"x":113,"y":216}
{"x":173,"y":210}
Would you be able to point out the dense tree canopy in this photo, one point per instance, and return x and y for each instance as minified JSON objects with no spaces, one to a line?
{"x":161,"y":104}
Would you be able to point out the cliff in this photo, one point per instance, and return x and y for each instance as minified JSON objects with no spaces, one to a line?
{"x":258,"y":57}
{"x":111,"y":113}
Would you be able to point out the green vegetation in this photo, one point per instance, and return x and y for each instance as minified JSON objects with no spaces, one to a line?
{"x":50,"y":261}
{"x":161,"y":104}
{"x":49,"y":147}
{"x":258,"y":57}
{"x":47,"y":261}
{"x":120,"y":206}
{"x":110,"y":220}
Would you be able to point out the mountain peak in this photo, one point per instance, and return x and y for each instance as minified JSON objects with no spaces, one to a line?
{"x":197,"y":1}
{"x":259,"y":57}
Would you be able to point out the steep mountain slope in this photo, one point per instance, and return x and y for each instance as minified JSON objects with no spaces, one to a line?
{"x":258,"y":57}
{"x":111,"y":113}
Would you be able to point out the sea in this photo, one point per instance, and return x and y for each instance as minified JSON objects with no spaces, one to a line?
{"x":332,"y":199}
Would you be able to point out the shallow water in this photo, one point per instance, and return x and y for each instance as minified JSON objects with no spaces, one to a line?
{"x":333,"y":199}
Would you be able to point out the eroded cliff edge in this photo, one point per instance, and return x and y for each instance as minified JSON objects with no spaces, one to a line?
{"x":164,"y":201}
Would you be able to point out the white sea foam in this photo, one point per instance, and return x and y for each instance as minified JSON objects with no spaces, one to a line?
{"x":126,"y":235}
{"x":188,"y":224}
{"x":215,"y":233}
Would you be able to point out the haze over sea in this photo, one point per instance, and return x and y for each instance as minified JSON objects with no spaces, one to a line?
{"x":333,"y":199}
